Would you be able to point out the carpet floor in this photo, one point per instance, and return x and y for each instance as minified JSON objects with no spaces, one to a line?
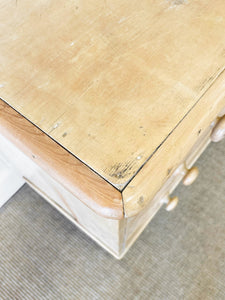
{"x":180,"y":255}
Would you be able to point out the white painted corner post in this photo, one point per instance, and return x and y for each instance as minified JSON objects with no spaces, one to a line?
{"x":10,"y":180}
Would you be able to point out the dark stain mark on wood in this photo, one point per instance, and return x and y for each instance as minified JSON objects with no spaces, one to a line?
{"x":64,"y":134}
{"x":199,"y":131}
{"x":142,"y":129}
{"x":121,"y":170}
{"x":169,"y":171}
{"x":91,"y":136}
{"x":141,"y":200}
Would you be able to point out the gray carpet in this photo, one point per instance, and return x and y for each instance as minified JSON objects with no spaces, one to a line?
{"x":180,"y":255}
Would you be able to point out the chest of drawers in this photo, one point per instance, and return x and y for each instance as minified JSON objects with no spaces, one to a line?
{"x":105,"y":108}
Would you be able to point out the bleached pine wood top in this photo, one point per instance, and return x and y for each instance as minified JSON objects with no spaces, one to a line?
{"x":109,"y":80}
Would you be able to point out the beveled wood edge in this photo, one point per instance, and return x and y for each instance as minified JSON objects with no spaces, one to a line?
{"x":140,"y":191}
{"x":75,"y":176}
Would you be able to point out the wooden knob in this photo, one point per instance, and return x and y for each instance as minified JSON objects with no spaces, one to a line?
{"x":172,"y":203}
{"x":218,"y":132}
{"x":190,"y":176}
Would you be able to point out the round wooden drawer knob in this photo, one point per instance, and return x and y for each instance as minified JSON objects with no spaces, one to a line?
{"x":218,"y":132}
{"x":190,"y":176}
{"x":172,"y":203}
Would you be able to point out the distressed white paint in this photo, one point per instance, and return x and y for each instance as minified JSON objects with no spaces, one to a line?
{"x":10,"y":182}
{"x":104,"y":231}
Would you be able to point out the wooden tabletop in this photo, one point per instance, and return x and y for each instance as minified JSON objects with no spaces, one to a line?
{"x":109,"y":80}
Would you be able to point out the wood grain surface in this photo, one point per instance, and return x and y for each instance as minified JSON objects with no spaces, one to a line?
{"x":109,"y":80}
{"x":86,"y":185}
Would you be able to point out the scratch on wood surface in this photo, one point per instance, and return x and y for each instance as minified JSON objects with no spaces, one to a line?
{"x":43,"y":85}
{"x":56,"y":125}
{"x":204,"y":85}
{"x":122,"y":20}
{"x":176,"y":3}
{"x":42,"y":120}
